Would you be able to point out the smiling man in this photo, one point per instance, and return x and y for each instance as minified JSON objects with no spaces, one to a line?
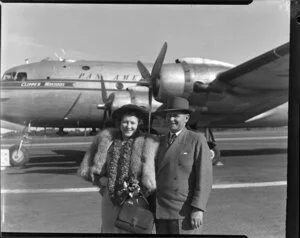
{"x":183,"y":174}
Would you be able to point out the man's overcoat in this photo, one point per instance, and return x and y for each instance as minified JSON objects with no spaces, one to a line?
{"x":184,"y":175}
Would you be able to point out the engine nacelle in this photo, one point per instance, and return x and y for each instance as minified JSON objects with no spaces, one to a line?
{"x":137,"y":95}
{"x":186,"y":77}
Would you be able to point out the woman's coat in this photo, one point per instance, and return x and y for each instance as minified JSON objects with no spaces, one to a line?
{"x":144,"y":150}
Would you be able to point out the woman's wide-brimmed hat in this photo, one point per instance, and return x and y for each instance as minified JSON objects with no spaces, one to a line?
{"x":176,"y":104}
{"x":140,"y":112}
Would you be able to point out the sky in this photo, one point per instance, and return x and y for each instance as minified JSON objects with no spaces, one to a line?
{"x":232,"y":34}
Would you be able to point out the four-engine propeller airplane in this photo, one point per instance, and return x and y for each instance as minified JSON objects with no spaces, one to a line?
{"x":66,"y":93}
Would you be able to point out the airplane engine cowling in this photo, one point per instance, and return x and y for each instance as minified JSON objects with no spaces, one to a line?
{"x":183,"y":79}
{"x":121,"y":98}
{"x":170,"y":83}
{"x":137,"y":95}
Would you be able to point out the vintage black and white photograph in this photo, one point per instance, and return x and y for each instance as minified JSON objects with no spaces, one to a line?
{"x":145,"y":119}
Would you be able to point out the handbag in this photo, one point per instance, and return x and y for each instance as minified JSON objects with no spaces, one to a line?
{"x":135,"y":216}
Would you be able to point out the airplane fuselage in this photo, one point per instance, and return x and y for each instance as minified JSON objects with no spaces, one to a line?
{"x":42,"y":93}
{"x":51,"y":87}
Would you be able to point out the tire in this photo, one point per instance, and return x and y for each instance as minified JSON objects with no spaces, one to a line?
{"x":61,"y":133}
{"x":215,"y":153}
{"x":93,"y":133}
{"x":18,"y":159}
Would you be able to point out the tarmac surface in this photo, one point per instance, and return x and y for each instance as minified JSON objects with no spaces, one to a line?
{"x":248,"y":197}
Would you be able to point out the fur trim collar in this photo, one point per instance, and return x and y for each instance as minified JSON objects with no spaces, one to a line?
{"x":143,"y":155}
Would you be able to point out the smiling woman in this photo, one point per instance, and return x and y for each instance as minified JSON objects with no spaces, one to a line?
{"x":129,"y":118}
{"x":129,"y":125}
{"x":120,"y":157}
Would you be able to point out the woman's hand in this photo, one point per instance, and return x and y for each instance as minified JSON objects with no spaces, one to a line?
{"x":103,"y":184}
{"x":100,"y":181}
{"x":103,"y":181}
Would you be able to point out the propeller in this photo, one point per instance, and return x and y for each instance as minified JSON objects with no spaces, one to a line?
{"x":150,"y":79}
{"x":108,"y":101}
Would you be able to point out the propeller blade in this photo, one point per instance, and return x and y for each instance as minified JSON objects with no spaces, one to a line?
{"x":159,"y":62}
{"x":149,"y":122}
{"x":150,"y":108}
{"x":108,"y":101}
{"x":103,"y":90}
{"x":143,"y":70}
{"x":150,"y":97}
{"x":104,"y":118}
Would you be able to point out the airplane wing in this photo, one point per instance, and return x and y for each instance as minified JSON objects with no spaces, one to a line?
{"x":247,"y":90}
{"x":11,"y":126}
{"x":269,"y":71}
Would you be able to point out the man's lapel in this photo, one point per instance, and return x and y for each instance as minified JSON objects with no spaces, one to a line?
{"x":171,"y":151}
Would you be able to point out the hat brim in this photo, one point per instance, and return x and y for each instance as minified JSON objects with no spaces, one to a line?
{"x":139,"y":112}
{"x":164,"y":111}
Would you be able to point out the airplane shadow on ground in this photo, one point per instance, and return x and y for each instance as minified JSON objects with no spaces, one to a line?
{"x":264,"y":151}
{"x":64,"y":162}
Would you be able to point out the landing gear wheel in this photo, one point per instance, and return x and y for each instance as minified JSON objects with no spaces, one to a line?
{"x":61,"y":133}
{"x":18,"y":159}
{"x":215,"y":154}
{"x":93,"y":133}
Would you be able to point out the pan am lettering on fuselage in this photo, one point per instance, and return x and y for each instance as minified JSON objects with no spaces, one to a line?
{"x":126,"y":77}
{"x":117,"y":77}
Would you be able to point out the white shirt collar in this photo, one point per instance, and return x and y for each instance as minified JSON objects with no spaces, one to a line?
{"x":177,"y":133}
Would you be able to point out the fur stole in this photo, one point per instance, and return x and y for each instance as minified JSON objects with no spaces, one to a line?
{"x":142,"y":158}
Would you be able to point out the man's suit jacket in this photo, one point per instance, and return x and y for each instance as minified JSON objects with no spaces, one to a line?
{"x":183,"y":175}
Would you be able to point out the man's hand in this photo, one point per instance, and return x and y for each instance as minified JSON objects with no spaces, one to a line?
{"x":196,"y":218}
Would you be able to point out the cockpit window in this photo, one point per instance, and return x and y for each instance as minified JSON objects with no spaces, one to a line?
{"x":9,"y":76}
{"x":21,"y":76}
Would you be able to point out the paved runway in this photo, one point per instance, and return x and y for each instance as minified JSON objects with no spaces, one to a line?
{"x":248,"y":196}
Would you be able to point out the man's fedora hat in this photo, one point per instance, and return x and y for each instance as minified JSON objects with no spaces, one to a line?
{"x":177,"y":104}
{"x":140,"y":112}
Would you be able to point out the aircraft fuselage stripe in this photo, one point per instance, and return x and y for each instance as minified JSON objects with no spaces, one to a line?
{"x":63,"y":88}
{"x":66,"y":85}
{"x":95,"y":189}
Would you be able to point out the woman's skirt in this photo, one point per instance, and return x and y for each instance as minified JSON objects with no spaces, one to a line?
{"x":109,"y":215}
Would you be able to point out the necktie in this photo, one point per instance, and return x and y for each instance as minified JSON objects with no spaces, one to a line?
{"x":171,"y":139}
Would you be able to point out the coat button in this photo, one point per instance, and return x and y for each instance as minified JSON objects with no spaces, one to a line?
{"x":176,"y":189}
{"x":175,"y":178}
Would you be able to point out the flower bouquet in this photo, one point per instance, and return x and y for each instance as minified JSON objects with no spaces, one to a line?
{"x":130,"y":188}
